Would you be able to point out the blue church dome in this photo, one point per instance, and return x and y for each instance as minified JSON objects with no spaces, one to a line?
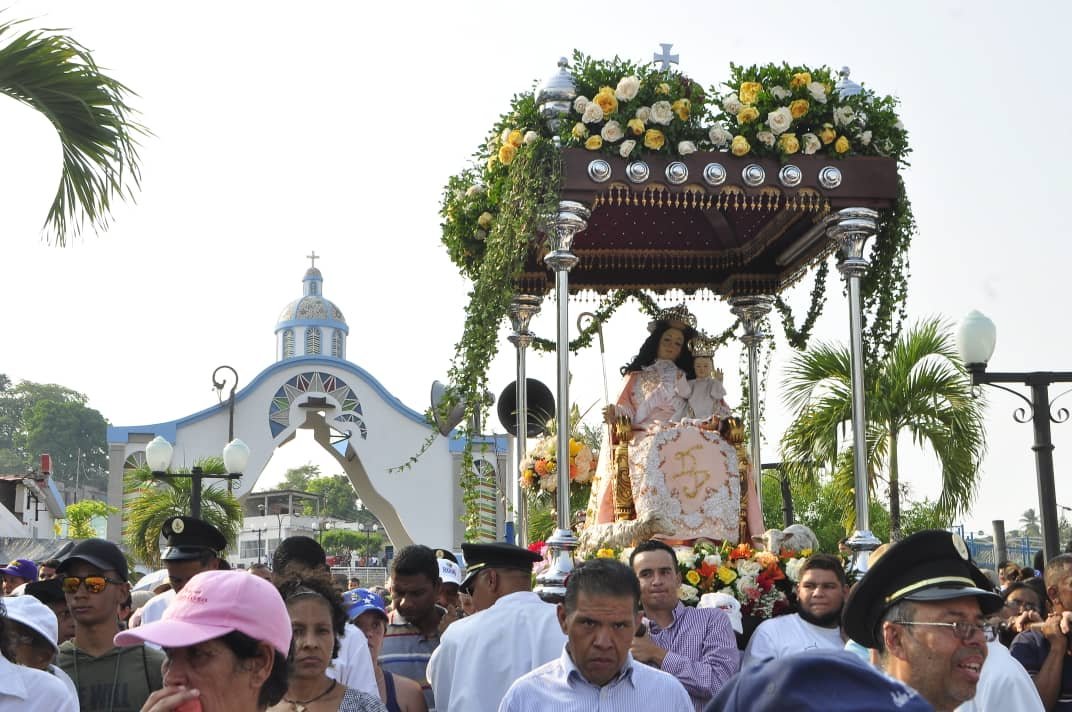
{"x":311,"y":325}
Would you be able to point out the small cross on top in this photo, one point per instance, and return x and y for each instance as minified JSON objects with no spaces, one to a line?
{"x":666,"y":59}
{"x":314,"y":258}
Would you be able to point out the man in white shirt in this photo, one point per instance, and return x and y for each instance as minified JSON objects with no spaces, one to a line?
{"x":512,"y":632}
{"x":821,"y":594}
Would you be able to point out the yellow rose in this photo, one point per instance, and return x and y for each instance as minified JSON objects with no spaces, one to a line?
{"x":842,"y":145}
{"x":726,"y":575}
{"x":740,"y":147}
{"x":580,"y":131}
{"x":506,"y":153}
{"x":492,"y":162}
{"x":484,"y":220}
{"x":515,"y":138}
{"x":574,"y":447}
{"x":800,"y":79}
{"x":827,"y":134}
{"x":799,"y":107}
{"x":749,"y":92}
{"x":693,"y":578}
{"x":594,"y":142}
{"x":606,"y":100}
{"x":681,"y":108}
{"x":747,"y":115}
{"x":663,"y":88}
{"x":605,"y":554}
{"x":636,"y":126}
{"x":788,"y":143}
{"x":654,"y":139}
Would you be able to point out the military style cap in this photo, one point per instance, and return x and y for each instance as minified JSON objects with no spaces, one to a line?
{"x":931,"y":565}
{"x":190,"y":538}
{"x":497,"y":555}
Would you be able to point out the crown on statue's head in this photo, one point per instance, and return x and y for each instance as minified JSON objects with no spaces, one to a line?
{"x":678,"y":317}
{"x":703,"y":345}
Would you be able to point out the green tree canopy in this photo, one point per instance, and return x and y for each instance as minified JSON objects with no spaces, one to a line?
{"x":340,"y":542}
{"x":80,"y":517}
{"x":339,"y":498}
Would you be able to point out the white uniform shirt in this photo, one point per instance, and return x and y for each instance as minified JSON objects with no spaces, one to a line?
{"x":1003,"y":685}
{"x":480,"y":656}
{"x":154,"y":608}
{"x":353,"y":666}
{"x":29,"y":690}
{"x":787,"y":635}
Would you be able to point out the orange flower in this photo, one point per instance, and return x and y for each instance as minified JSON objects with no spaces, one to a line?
{"x":542,"y":467}
{"x":741,"y":551}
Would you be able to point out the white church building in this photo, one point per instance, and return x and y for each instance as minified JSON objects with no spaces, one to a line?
{"x":366,"y":429}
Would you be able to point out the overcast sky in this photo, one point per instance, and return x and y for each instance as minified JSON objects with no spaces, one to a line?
{"x":284,"y":128}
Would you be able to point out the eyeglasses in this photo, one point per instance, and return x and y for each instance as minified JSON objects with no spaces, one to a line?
{"x":93,"y":584}
{"x":1015,"y":605}
{"x":962,"y":630}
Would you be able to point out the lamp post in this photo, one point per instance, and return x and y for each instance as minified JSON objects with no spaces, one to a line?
{"x":158,"y":456}
{"x":976,"y":339}
{"x":218,"y":385}
{"x":260,"y":549}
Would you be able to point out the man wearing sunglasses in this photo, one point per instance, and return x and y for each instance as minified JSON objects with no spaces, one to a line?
{"x":108,"y":679}
{"x":923,"y":606}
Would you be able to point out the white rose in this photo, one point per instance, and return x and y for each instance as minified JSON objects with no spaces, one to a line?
{"x":612,"y":132}
{"x":865,"y":138}
{"x":779,"y":120}
{"x":644,"y":114}
{"x":686,"y":592}
{"x":476,"y":189}
{"x":685,"y":557}
{"x":747,"y":568}
{"x":780,"y":93}
{"x":811,"y":143}
{"x":843,"y":116}
{"x":530,"y":137}
{"x":592,"y":113}
{"x":626,"y":148}
{"x":731,"y":104}
{"x":766,"y":138}
{"x":792,"y":569}
{"x":662,"y":113}
{"x":684,"y":148}
{"x":899,"y":125}
{"x":719,"y":135}
{"x":713,"y":560}
{"x":505,"y":136}
{"x":579,"y":103}
{"x":627,"y":88}
{"x":818,"y":92}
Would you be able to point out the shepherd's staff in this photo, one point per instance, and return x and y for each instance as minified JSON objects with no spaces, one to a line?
{"x":581,"y":326}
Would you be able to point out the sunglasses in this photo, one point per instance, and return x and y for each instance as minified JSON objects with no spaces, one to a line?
{"x":93,"y":584}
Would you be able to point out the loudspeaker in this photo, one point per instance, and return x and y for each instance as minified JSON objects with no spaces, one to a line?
{"x":445,"y":422}
{"x":541,"y":407}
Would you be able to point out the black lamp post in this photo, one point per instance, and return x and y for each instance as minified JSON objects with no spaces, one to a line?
{"x":219,"y":385}
{"x":976,"y":340}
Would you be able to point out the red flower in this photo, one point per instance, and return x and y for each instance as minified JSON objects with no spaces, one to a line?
{"x":536,"y":547}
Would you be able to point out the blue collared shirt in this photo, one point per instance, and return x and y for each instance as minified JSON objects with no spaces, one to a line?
{"x":560,"y":686}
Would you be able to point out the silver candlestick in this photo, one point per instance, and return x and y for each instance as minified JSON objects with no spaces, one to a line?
{"x":522,"y":309}
{"x":751,"y":310}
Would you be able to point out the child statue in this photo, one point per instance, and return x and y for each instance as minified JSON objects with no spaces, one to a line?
{"x":707,"y":395}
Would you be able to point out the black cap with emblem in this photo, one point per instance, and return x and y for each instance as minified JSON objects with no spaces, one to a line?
{"x":497,"y":555}
{"x":191,"y":538}
{"x":931,"y":565}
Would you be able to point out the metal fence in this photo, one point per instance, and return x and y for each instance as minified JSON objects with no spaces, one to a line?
{"x":369,"y":575}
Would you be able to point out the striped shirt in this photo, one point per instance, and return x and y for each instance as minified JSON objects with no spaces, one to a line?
{"x":406,"y":652}
{"x":701,"y":650}
{"x":560,"y":686}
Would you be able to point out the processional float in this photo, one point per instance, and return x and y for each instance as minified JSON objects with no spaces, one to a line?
{"x":744,"y":221}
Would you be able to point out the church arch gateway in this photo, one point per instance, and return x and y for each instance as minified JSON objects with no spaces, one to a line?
{"x":365,"y":428}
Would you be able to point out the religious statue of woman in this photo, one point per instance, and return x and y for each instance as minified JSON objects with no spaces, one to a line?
{"x":684,"y":476}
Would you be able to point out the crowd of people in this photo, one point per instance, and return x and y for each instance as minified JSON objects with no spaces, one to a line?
{"x":923,"y":629}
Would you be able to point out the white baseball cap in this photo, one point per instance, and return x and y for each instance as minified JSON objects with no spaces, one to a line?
{"x":35,"y":615}
{"x":450,"y":572}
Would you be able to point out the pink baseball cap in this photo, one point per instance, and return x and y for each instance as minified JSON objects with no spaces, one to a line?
{"x":213,"y":604}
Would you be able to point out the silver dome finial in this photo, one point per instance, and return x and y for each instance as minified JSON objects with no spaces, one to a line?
{"x":555,"y":96}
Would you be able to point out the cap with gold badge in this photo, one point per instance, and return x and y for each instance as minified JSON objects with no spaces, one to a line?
{"x":191,"y":538}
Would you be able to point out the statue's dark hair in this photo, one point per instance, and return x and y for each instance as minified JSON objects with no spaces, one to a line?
{"x":650,"y":348}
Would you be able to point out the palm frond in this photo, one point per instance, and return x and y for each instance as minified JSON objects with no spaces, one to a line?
{"x":57,"y":76}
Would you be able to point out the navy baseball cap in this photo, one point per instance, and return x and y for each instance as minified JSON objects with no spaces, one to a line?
{"x":22,"y":568}
{"x":816,"y":681}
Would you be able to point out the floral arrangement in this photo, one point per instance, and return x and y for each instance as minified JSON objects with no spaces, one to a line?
{"x":761,"y":580}
{"x":539,"y":469}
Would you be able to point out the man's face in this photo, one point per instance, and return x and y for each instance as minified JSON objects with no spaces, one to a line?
{"x":414,"y":596}
{"x":65,"y":620}
{"x":11,"y":583}
{"x":448,"y":595}
{"x":600,"y":630}
{"x":95,"y":608}
{"x":940,"y":666}
{"x":659,"y":580}
{"x":45,"y":573}
{"x":820,"y":593}
{"x":180,"y":572}
{"x":1062,"y":592}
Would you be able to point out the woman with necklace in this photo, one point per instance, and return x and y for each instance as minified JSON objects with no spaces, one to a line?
{"x":317,"y":620}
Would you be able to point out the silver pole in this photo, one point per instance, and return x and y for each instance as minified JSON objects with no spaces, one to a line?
{"x":751,"y":310}
{"x":571,"y":218}
{"x":850,"y":230}
{"x":522,"y":309}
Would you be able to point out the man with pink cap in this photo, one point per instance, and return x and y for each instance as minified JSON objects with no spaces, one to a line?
{"x":226,"y":636}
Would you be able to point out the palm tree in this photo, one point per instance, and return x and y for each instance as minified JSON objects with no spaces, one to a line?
{"x":920,"y":388}
{"x":151,"y":502}
{"x":57,"y":76}
{"x":1030,"y":523}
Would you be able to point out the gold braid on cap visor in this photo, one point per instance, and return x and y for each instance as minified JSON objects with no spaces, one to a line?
{"x":929,"y":583}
